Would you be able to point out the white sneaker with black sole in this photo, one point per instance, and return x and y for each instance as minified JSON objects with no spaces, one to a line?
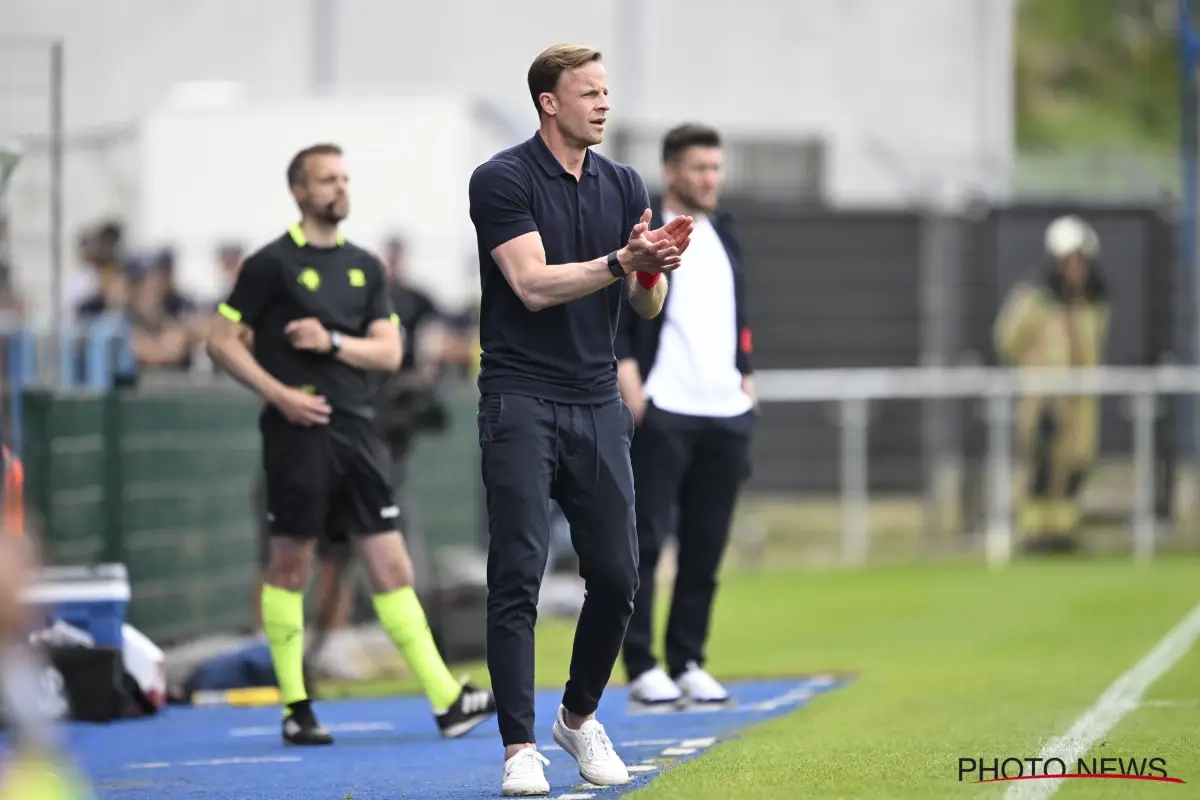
{"x":654,"y":690}
{"x":590,"y":746}
{"x":701,"y":689}
{"x":524,"y":776}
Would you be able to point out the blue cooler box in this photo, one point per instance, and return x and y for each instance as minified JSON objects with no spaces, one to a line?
{"x":93,"y":599}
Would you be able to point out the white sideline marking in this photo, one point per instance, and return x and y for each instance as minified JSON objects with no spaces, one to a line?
{"x":351,"y":727}
{"x":642,"y":768}
{"x":215,"y":762}
{"x":698,"y":742}
{"x":1123,"y":696}
{"x":574,"y":797}
{"x":679,"y":751}
{"x":790,"y":697}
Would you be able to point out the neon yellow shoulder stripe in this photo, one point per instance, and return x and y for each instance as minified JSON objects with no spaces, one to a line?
{"x":229,"y":312}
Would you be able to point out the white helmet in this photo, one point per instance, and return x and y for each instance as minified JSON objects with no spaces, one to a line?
{"x":1070,"y":234}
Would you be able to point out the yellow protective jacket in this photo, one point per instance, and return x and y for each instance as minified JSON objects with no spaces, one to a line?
{"x":1038,"y":327}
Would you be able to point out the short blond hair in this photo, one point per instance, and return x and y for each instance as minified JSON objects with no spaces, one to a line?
{"x":551,"y":63}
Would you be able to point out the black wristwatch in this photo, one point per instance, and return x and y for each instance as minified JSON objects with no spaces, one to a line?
{"x":335,"y":342}
{"x":614,"y":265}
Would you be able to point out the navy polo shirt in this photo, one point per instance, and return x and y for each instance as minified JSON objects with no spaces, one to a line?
{"x":562,"y":353}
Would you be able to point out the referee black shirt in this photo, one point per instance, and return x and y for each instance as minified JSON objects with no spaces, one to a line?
{"x":290,"y":279}
{"x":563,"y":353}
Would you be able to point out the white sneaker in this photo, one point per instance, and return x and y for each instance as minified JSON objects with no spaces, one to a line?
{"x":655,"y":688}
{"x":599,"y":763}
{"x":701,"y":688}
{"x":523,"y":774}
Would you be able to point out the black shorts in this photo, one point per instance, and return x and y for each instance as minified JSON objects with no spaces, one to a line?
{"x":327,"y":482}
{"x":333,"y":545}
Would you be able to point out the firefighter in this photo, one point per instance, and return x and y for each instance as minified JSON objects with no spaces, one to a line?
{"x":1059,"y":320}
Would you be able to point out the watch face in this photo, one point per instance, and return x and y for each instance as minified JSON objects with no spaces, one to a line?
{"x":614,"y":265}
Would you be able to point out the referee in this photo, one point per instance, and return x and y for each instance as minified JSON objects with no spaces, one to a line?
{"x":563,"y":234}
{"x":322,"y":324}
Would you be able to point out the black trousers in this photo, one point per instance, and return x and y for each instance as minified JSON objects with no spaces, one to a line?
{"x":688,"y":472}
{"x":534,"y":450}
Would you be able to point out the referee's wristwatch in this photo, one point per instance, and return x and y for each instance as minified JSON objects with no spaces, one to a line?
{"x":335,"y":342}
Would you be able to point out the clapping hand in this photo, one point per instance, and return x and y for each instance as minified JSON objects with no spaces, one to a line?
{"x":659,"y":250}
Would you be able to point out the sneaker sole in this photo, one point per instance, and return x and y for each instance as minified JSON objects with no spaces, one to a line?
{"x":466,"y":726}
{"x":290,"y":743}
{"x":536,"y":791}
{"x":707,"y":705}
{"x":595,"y":780}
{"x":638,"y":706}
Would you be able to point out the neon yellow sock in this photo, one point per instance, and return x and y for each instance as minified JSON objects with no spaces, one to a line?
{"x":283,"y":623}
{"x":401,"y":615}
{"x":39,"y":778}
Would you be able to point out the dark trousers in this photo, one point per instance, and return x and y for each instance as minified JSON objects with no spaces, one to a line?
{"x":534,"y":450}
{"x":688,"y":472}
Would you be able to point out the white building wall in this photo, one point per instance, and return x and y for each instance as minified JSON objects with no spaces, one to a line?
{"x":903,"y":89}
{"x":913,"y":96}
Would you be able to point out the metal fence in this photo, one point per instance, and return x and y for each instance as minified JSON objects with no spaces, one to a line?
{"x":854,"y":390}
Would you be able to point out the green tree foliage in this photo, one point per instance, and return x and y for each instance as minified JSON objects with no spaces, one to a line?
{"x":1097,"y":73}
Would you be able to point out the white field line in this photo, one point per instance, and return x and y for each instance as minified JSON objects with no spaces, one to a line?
{"x":1123,"y":696}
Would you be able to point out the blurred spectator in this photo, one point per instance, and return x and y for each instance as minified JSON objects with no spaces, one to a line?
{"x":419,"y":316}
{"x":230,"y":256}
{"x":102,"y":285}
{"x":100,"y":298}
{"x":408,"y":403}
{"x":229,"y":263}
{"x":9,"y":299}
{"x":163,"y":318}
{"x":460,"y":346}
{"x":1058,"y":320}
{"x":36,"y":764}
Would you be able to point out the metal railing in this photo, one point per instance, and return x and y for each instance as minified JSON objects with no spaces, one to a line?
{"x":855,"y":389}
{"x":92,"y":355}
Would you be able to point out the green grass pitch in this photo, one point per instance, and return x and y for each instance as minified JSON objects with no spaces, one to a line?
{"x":951,"y":661}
